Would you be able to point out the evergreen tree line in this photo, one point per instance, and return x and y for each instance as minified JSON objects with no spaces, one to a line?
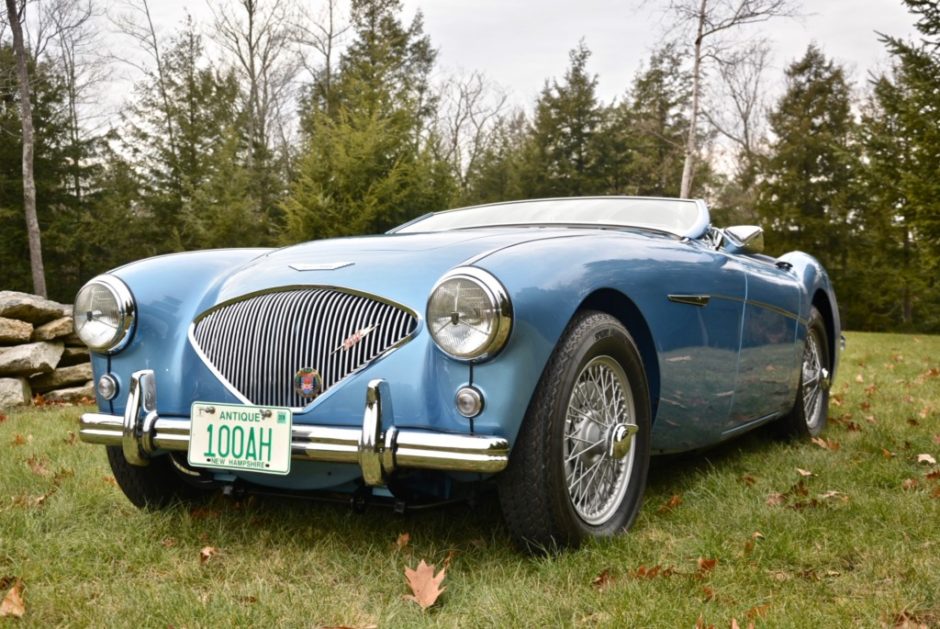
{"x":200,"y":161}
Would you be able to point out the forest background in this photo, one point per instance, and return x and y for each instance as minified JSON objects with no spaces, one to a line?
{"x":277,"y":122}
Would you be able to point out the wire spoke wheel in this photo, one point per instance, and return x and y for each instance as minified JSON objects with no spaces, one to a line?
{"x":601,"y":401}
{"x":815,"y":379}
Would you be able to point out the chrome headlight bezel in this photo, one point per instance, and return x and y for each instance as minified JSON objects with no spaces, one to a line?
{"x":126,"y":309}
{"x":500,"y":309}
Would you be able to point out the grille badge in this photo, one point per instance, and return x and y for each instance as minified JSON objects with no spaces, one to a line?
{"x":308,"y":383}
{"x":353,"y":339}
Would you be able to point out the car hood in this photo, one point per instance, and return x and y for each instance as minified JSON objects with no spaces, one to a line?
{"x":401,"y":267}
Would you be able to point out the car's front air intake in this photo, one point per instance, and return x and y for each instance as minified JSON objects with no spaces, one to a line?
{"x":258,"y":344}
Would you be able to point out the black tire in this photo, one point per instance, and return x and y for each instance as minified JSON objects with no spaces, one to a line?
{"x":157,"y":485}
{"x":534,"y":490}
{"x":811,"y":407}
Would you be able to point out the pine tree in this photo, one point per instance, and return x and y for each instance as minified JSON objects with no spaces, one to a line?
{"x":565,"y":158}
{"x":809,"y":198}
{"x":368,"y":162}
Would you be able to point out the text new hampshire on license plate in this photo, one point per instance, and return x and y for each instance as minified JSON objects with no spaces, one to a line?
{"x":240,"y":437}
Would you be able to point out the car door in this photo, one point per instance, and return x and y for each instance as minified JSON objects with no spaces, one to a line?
{"x":698,"y":331}
{"x":768,"y":365}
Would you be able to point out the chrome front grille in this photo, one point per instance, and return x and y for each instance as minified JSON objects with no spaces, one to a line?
{"x":258,"y":343}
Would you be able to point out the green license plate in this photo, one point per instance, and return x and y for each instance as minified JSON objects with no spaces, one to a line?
{"x":240,"y":437}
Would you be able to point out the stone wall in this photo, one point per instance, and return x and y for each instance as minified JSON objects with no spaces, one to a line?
{"x":40,"y":353}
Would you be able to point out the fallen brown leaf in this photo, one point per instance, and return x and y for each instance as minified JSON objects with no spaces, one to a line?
{"x":70,"y":438}
{"x":826,"y":444}
{"x":757,"y":535}
{"x":748,"y":480}
{"x":402,"y":540}
{"x":758,"y":611}
{"x":853,"y":427}
{"x":832,"y":494}
{"x":109,"y":480}
{"x":706,"y":565}
{"x":603,"y":580}
{"x":708,"y":593}
{"x":12,"y":604}
{"x":859,"y":378}
{"x":926,"y":458}
{"x":935,"y":493}
{"x":19,"y":440}
{"x":803,"y":472}
{"x":425,"y":585}
{"x":912,"y":422}
{"x":934,"y":475}
{"x":451,"y":554}
{"x":670,"y":504}
{"x":651,"y":573}
{"x":700,"y":624}
{"x":776,"y":499}
{"x":909,"y":484}
{"x":3,"y":417}
{"x":168,"y":542}
{"x":207,"y":553}
{"x":888,"y":454}
{"x":37,"y":466}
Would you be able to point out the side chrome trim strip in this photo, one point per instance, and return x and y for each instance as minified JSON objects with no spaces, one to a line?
{"x":692,"y":300}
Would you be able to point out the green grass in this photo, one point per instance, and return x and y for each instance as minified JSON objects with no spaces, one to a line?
{"x":869,"y":556}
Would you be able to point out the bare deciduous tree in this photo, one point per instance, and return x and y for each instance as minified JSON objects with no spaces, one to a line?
{"x":324,"y":34}
{"x":742,"y":87}
{"x":707,"y":22}
{"x":15,"y":17}
{"x":137,"y":23}
{"x":470,"y":108}
{"x":260,"y":36}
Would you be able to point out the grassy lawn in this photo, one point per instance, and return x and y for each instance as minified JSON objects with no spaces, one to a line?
{"x":735,"y":533}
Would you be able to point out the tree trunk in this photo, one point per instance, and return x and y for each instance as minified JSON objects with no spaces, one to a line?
{"x":29,"y":184}
{"x":690,"y":149}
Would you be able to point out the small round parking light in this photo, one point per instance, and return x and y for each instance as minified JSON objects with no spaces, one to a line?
{"x":107,"y":386}
{"x":469,"y":401}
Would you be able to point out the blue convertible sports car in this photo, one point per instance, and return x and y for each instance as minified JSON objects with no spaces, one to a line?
{"x":547,"y":346}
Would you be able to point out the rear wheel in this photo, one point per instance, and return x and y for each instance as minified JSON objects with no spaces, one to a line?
{"x":578,"y":467}
{"x":156,"y":485}
{"x":811,"y":409}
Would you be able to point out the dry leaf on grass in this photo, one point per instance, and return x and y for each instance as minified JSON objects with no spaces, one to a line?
{"x":926,"y":458}
{"x":826,"y":444}
{"x":735,"y":625}
{"x":426,"y":587}
{"x":13,"y":604}
{"x":748,"y":480}
{"x":603,"y":580}
{"x":38,"y":466}
{"x":670,"y":504}
{"x":803,"y":472}
{"x":909,"y":484}
{"x":936,"y":439}
{"x":706,"y":565}
{"x":207,"y":553}
{"x":3,"y":417}
{"x":776,"y":499}
{"x":402,"y":540}
{"x":859,"y":378}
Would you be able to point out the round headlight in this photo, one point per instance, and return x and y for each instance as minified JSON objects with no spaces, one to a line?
{"x":104,"y":314}
{"x":469,"y":314}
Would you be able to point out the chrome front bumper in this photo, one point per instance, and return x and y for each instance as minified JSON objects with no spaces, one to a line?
{"x":378,"y":451}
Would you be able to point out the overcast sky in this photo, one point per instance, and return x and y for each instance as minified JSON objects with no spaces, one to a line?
{"x":520,"y":43}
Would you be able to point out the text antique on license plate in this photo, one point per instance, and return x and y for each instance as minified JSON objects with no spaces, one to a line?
{"x":239,"y":437}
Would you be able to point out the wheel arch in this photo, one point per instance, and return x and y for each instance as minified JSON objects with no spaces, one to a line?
{"x":621,"y":307}
{"x":822,"y":304}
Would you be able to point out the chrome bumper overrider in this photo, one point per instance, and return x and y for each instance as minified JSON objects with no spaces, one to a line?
{"x":379,"y":451}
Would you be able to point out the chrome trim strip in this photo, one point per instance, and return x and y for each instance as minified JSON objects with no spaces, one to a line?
{"x":762,"y":304}
{"x":378,"y":451}
{"x":692,"y":300}
{"x":321,"y":266}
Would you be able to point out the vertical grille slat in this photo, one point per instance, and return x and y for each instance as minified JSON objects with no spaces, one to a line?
{"x":257,"y":344}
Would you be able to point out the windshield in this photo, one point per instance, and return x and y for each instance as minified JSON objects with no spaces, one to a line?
{"x":676,"y":216}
